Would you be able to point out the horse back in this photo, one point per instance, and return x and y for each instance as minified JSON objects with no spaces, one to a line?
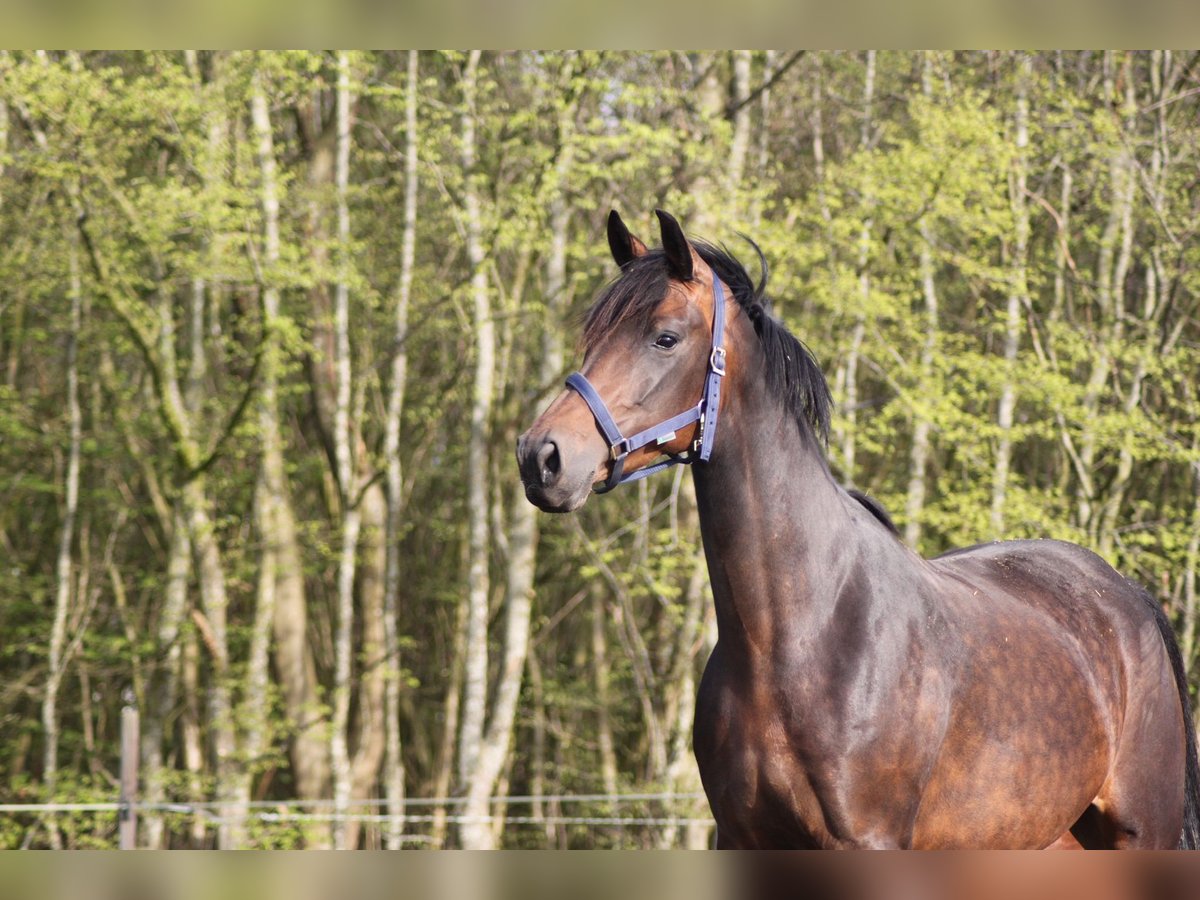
{"x":1062,"y":590}
{"x":1067,"y":583}
{"x":1058,"y":649}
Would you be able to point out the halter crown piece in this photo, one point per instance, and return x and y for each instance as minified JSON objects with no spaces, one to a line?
{"x":705,"y":412}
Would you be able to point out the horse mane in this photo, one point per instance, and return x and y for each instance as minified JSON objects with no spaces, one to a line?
{"x":791,"y":370}
{"x":875,"y":508}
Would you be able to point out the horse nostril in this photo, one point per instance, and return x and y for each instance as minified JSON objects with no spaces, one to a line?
{"x":549,"y":463}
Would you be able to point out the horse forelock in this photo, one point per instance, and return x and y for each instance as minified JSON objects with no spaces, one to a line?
{"x":634,"y":294}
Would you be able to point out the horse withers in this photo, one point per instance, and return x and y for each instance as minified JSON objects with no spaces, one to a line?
{"x":859,"y":695}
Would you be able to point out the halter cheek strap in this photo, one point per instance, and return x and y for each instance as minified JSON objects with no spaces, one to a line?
{"x":705,"y":412}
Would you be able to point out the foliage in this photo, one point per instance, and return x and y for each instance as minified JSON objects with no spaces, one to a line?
{"x":142,"y":168}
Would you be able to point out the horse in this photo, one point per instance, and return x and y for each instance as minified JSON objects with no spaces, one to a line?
{"x":1012,"y":694}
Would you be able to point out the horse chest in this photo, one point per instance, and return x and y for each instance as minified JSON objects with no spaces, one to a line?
{"x":758,"y":772}
{"x":759,"y":795}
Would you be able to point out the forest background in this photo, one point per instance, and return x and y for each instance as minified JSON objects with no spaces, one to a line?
{"x":271,"y":322}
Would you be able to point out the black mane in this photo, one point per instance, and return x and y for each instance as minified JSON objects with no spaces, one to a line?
{"x":875,"y":508}
{"x":791,"y":371}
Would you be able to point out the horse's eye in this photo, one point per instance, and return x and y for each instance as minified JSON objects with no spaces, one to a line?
{"x":666,"y":341}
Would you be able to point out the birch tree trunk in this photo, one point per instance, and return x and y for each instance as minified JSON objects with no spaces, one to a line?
{"x":764,"y":132}
{"x":1152,"y":343}
{"x":850,"y":379}
{"x":1018,"y":296}
{"x":922,"y":425}
{"x":294,"y":664}
{"x":393,"y":759}
{"x":269,"y":486}
{"x":1066,"y":185}
{"x":63,"y":571}
{"x":818,"y":152}
{"x":522,"y":528}
{"x":254,"y":708}
{"x":525,"y":522}
{"x":343,"y":433}
{"x":522,"y":531}
{"x":476,"y":663}
{"x":681,"y":708}
{"x":208,"y":96}
{"x":214,"y":602}
{"x":1111,"y":265}
{"x":740,"y":145}
{"x":1058,"y":308}
{"x":476,"y":831}
{"x":370,"y":737}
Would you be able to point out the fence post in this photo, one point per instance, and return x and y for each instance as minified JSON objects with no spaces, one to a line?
{"x":127,"y":815}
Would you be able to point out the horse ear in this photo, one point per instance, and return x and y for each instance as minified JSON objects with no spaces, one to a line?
{"x":624,"y":246}
{"x":679,"y":252}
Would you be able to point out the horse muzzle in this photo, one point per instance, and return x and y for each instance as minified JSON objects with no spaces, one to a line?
{"x":551,"y":483}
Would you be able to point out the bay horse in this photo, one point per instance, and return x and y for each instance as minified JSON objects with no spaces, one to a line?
{"x":859,"y":695}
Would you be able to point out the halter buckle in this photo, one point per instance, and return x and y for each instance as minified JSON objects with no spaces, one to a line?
{"x":716,"y":360}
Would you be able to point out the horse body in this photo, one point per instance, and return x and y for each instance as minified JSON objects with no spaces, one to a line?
{"x":861,"y":696}
{"x":849,"y":672}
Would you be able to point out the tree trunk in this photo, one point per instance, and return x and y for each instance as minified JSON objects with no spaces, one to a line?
{"x":764,"y":133}
{"x":740,"y":145}
{"x":682,"y":774}
{"x":57,"y":662}
{"x":818,"y":151}
{"x":444,"y":768}
{"x":1111,"y":265}
{"x":1153,"y":307}
{"x":394,"y":760}
{"x":522,"y":532}
{"x":294,"y":664}
{"x":922,"y":426}
{"x":475,"y":686}
{"x":858,"y":332}
{"x":369,"y":733}
{"x":193,"y":746}
{"x":343,"y":434}
{"x":253,"y":714}
{"x":476,"y":833}
{"x":1018,"y":297}
{"x":602,"y":677}
{"x":164,"y":685}
{"x":214,"y":602}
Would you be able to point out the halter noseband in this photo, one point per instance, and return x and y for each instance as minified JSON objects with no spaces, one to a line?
{"x":705,"y":412}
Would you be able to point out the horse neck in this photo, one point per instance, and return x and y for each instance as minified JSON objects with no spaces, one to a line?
{"x":778,"y":531}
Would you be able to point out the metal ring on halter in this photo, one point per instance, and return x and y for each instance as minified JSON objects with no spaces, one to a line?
{"x":718,"y":353}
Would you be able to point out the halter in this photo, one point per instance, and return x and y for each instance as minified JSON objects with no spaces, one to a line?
{"x":705,"y":412}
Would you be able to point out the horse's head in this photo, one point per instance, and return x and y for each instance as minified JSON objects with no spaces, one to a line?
{"x":650,"y":382}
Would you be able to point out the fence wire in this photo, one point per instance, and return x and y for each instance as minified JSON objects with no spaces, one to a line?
{"x":379,"y":811}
